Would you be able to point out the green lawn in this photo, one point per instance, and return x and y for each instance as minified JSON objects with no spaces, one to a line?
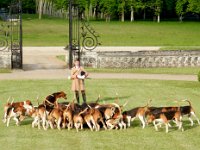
{"x":54,"y":32}
{"x":182,"y":70}
{"x":136,"y":91}
{"x":5,"y":70}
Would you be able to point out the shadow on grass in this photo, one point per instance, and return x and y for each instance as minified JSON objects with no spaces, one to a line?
{"x":186,"y":126}
{"x":113,"y":98}
{"x":26,"y":121}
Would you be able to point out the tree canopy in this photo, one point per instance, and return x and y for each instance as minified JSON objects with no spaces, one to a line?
{"x":115,"y":9}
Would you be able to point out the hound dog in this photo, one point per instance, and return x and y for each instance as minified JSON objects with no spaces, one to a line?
{"x":78,"y":119}
{"x":116,"y":119}
{"x":132,"y":114}
{"x":26,"y":104}
{"x":17,"y":113}
{"x":68,"y":117}
{"x":165,"y":118}
{"x":51,"y":100}
{"x":185,"y":110}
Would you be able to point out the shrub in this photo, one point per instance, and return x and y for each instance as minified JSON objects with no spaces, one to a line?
{"x":198,"y":76}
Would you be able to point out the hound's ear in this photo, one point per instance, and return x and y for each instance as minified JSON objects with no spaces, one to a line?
{"x":112,"y":108}
{"x":62,"y":92}
{"x":67,"y":106}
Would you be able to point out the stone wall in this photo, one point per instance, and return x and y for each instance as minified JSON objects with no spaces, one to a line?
{"x":141,"y":59}
{"x":5,"y":59}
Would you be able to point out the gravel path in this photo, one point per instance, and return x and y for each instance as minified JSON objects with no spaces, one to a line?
{"x":63,"y":74}
{"x":41,"y":63}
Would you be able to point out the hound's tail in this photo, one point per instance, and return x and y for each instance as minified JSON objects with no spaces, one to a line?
{"x":98,"y":99}
{"x":38,"y":100}
{"x":82,"y":111}
{"x":187,"y":101}
{"x":148,"y":103}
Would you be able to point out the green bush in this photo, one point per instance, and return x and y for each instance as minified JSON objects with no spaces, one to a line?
{"x":199,"y":76}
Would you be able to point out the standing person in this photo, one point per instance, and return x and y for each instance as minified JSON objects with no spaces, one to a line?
{"x":78,"y":74}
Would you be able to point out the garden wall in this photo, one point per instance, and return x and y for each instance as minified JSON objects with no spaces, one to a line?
{"x":141,"y":59}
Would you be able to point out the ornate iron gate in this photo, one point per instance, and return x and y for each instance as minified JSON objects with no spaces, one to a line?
{"x":81,"y":35}
{"x":15,"y":19}
{"x":4,"y":30}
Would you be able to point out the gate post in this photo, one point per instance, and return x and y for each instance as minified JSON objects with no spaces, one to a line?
{"x":70,"y":35}
{"x":74,"y":35}
{"x":15,"y":18}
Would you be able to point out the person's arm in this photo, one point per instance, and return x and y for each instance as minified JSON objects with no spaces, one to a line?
{"x":73,"y":73}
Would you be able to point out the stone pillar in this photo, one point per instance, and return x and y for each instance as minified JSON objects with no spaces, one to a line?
{"x":5,"y":60}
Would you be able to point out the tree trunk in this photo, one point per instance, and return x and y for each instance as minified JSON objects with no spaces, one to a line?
{"x":40,"y":8}
{"x":107,"y":18}
{"x":90,"y":11}
{"x":132,"y":14}
{"x":158,"y":18}
{"x":101,"y":15}
{"x":94,"y":13}
{"x":181,"y":18}
{"x":122,"y":17}
{"x":36,"y":7}
{"x":44,"y":7}
{"x":144,"y":15}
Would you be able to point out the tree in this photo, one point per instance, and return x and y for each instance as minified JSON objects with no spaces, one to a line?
{"x":143,"y":5}
{"x":4,"y":3}
{"x":133,"y":6}
{"x":181,"y":8}
{"x":108,"y":8}
{"x":158,"y":8}
{"x":193,"y":6}
{"x":28,"y":6}
{"x":121,"y":9}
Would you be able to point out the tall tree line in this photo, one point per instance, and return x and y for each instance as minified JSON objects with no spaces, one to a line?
{"x":116,"y":9}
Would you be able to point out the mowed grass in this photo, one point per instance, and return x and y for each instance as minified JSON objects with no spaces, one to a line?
{"x":181,"y":70}
{"x":137,"y":92}
{"x":54,"y":32}
{"x":5,"y":70}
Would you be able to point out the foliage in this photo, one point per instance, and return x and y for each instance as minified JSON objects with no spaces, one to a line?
{"x":28,"y":6}
{"x":194,"y":6}
{"x":112,"y":9}
{"x":198,"y":76}
{"x":181,"y":7}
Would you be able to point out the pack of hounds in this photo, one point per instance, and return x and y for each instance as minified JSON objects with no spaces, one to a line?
{"x":95,"y":115}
